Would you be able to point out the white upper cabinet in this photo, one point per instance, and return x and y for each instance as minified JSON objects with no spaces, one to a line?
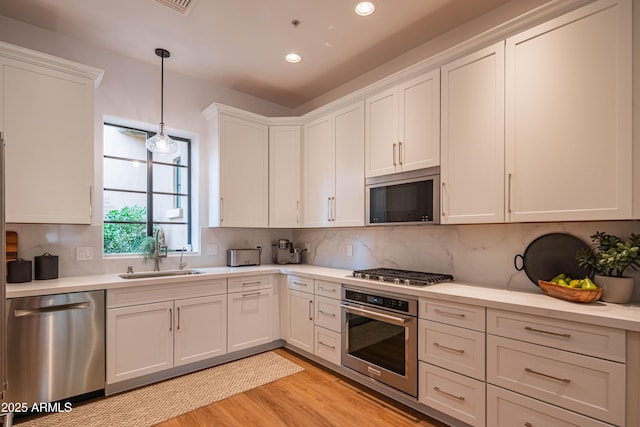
{"x":334,"y":169}
{"x":568,"y":117}
{"x":403,"y":127}
{"x":284,"y":176}
{"x":239,"y":168}
{"x":47,"y":118}
{"x":472,"y":169}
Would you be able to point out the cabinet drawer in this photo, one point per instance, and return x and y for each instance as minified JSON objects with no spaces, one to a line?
{"x":327,"y":313}
{"x":458,"y":349}
{"x":453,"y":313}
{"x":327,"y":345}
{"x":168,"y":292}
{"x":584,"y":384}
{"x":461,"y":397}
{"x":298,"y":283}
{"x":249,"y":283}
{"x":507,"y":409}
{"x":593,"y":340}
{"x":328,"y":289}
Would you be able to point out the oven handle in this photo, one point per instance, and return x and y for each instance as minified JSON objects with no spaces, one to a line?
{"x":378,"y":315}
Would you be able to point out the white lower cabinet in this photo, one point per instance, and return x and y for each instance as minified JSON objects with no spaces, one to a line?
{"x":451,"y":354}
{"x":506,"y":409}
{"x":544,"y":360}
{"x":139,"y":340}
{"x":153,"y":328}
{"x":312,"y":317}
{"x":195,"y":338}
{"x":454,"y":394}
{"x":251,"y":315}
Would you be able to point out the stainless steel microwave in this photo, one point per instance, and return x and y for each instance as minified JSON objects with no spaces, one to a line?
{"x":404,"y":198}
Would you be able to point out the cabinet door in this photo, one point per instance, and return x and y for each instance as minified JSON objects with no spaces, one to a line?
{"x":300,"y":319}
{"x":47,"y":118}
{"x":319,"y":173}
{"x":472,"y":169}
{"x":568,"y":122}
{"x":244,"y":173}
{"x":348,"y":205}
{"x":284,"y":176}
{"x":419,"y":122}
{"x":139,"y":340}
{"x":250,"y":319}
{"x":381,"y":134}
{"x":200,"y":329}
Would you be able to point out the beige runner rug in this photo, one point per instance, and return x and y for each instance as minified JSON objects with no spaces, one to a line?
{"x":153,"y":404}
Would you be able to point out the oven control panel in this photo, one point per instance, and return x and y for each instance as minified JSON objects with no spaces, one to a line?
{"x":377,"y":300}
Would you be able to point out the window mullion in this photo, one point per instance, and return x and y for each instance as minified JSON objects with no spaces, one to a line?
{"x":149,"y":193}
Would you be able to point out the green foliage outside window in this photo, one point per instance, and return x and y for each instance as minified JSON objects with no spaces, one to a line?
{"x":126,"y":237}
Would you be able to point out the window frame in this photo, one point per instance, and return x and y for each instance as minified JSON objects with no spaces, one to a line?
{"x":150,"y":223}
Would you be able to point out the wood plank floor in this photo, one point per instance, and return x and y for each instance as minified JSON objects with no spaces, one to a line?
{"x":314,"y":397}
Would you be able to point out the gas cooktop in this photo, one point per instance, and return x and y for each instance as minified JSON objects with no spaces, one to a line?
{"x":402,"y":277}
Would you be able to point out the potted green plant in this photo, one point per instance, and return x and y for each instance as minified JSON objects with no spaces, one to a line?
{"x":610,"y":258}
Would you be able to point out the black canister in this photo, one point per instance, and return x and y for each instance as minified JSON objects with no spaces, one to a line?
{"x":19,"y":271}
{"x":46,"y":267}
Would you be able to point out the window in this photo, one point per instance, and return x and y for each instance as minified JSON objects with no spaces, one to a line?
{"x":144,"y":191}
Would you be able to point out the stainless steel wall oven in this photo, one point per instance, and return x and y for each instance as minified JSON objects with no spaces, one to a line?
{"x":380,"y":338}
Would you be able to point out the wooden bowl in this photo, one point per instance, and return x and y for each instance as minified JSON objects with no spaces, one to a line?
{"x":569,"y":294}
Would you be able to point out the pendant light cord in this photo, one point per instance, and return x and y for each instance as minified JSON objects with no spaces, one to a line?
{"x":162,"y":89}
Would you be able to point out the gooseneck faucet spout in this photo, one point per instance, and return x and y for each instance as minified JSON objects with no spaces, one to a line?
{"x":160,"y":249}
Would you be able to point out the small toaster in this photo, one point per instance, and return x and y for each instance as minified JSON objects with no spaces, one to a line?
{"x":242,"y":257}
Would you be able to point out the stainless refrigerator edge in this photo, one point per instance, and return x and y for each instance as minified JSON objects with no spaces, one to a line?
{"x":3,"y":276}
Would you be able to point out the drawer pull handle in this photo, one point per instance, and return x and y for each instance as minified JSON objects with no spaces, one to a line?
{"x":328,"y":314}
{"x":435,"y":344}
{"x":460,"y":398}
{"x":447,"y":313}
{"x":299,"y":284}
{"x":564,"y":380}
{"x":332,"y":347}
{"x":322,"y":288}
{"x":530,"y":329}
{"x":252,"y":294}
{"x":250,"y":283}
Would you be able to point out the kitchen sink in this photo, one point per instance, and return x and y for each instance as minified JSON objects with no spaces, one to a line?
{"x":166,"y":273}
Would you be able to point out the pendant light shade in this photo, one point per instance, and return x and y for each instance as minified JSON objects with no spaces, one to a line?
{"x":160,"y":143}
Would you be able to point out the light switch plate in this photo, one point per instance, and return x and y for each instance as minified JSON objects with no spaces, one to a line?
{"x":212,"y":249}
{"x":84,"y":253}
{"x":349,"y":250}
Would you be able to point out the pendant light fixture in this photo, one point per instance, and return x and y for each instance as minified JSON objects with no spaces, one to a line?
{"x":160,"y":143}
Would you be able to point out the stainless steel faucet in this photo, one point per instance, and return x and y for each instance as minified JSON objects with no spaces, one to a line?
{"x":160,"y":249}
{"x":182,"y":264}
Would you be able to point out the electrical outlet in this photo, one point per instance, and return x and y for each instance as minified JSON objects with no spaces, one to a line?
{"x":349,"y":250}
{"x":84,"y":253}
{"x":307,"y":246}
{"x":212,"y":249}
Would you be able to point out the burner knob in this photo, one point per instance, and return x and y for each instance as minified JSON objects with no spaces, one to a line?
{"x":380,"y":278}
{"x":396,"y":281}
{"x":407,"y":281}
{"x":367,"y":276}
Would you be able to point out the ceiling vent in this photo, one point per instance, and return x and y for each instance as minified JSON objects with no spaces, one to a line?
{"x":181,"y":6}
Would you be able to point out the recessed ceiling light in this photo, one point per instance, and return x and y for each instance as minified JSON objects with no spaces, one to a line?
{"x":365,"y":8}
{"x":293,"y":58}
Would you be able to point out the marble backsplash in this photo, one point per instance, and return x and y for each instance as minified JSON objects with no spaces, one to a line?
{"x":482,"y":253}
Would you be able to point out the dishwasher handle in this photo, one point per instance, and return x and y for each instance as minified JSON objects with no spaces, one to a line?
{"x":51,"y":309}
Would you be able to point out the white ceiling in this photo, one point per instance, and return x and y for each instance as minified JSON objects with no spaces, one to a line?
{"x":241,"y":44}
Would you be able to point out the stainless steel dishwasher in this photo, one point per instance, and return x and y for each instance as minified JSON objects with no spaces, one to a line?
{"x":55,"y":346}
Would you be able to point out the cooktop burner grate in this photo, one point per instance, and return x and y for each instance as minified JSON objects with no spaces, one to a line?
{"x":402,"y":277}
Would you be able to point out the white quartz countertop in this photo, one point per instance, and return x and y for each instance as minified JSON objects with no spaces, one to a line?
{"x":623,"y":316}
